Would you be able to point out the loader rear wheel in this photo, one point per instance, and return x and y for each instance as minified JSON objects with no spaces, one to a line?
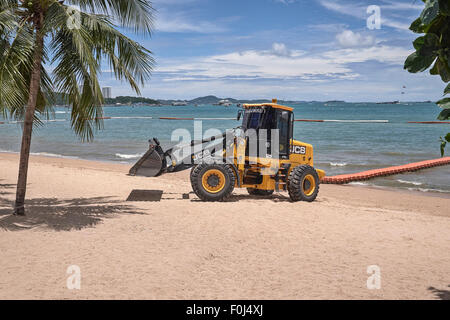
{"x":213,"y":182}
{"x":259,"y":192}
{"x":303,"y":184}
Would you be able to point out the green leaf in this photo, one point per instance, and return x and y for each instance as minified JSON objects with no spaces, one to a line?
{"x":444,"y":103}
{"x":418,"y":43}
{"x":427,"y":45}
{"x":434,"y":71}
{"x":447,"y":137}
{"x":447,"y":89}
{"x":417,"y":63}
{"x":417,"y":26}
{"x":444,"y":7}
{"x":444,"y":115}
{"x":443,"y":69}
{"x":430,"y":12}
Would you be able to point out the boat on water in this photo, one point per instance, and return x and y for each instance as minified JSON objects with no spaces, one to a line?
{"x":389,"y":102}
{"x":179,"y":103}
{"x":225,"y":103}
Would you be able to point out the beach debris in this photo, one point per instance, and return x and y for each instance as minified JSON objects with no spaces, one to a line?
{"x":145,"y":195}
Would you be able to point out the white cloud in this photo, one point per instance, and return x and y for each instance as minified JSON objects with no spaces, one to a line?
{"x":179,"y":23}
{"x":350,"y":39}
{"x":359,"y":11}
{"x":383,"y":54}
{"x":397,"y":5}
{"x":328,"y":27}
{"x":281,"y":64}
{"x":285,"y":1}
{"x":181,"y":26}
{"x":280,"y":49}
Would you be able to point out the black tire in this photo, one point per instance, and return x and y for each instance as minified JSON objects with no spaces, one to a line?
{"x":259,"y":192}
{"x":303,"y":184}
{"x":198,"y":174}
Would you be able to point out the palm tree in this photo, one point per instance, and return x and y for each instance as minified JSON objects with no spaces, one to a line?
{"x":73,"y":38}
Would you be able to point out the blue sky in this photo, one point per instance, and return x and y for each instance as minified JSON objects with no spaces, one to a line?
{"x":289,"y":49}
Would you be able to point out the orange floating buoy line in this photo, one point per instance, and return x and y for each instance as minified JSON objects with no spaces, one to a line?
{"x":343,"y":121}
{"x":366,"y":175}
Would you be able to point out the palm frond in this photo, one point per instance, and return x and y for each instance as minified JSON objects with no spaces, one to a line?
{"x":77,"y":56}
{"x":135,"y":14}
{"x":15,"y":64}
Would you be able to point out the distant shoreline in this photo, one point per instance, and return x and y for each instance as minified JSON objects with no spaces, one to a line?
{"x":177,"y":103}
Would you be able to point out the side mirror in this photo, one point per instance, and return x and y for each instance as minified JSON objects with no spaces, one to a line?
{"x":239,"y":115}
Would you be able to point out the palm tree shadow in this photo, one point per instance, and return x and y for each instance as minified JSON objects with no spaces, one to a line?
{"x":5,"y":188}
{"x":441,"y":294}
{"x":62,"y":215}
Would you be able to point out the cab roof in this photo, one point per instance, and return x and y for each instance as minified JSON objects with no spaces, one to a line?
{"x":272,"y":105}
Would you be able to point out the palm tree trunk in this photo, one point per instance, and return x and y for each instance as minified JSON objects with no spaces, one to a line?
{"x":19,"y":207}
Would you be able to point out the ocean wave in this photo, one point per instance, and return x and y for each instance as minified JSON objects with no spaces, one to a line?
{"x":338,"y":164}
{"x":359,"y":184}
{"x":7,"y":151}
{"x":410,"y":182}
{"x":392,"y":153}
{"x":428,"y":190}
{"x":129,"y":156}
{"x":52,"y":155}
{"x":365,"y":184}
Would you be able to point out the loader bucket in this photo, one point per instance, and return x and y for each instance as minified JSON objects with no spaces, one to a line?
{"x":150,"y":165}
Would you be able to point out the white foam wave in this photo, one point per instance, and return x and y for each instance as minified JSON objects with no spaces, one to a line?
{"x":359,"y":184}
{"x":428,"y":190}
{"x":410,"y":182}
{"x":338,"y":164}
{"x":52,"y":155}
{"x":128,"y":156}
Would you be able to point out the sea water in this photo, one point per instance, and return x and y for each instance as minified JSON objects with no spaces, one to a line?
{"x":338,"y":147}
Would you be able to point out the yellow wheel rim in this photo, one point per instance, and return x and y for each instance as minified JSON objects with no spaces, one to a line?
{"x":213,"y":181}
{"x":309,"y":185}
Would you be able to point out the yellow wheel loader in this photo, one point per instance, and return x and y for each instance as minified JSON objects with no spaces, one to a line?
{"x":261,"y":155}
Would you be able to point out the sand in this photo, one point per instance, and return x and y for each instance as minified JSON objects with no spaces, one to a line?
{"x":247,"y":248}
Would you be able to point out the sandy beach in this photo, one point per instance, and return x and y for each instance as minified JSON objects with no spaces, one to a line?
{"x":247,"y":248}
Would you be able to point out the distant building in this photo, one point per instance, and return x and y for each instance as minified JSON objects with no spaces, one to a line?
{"x":107,"y":92}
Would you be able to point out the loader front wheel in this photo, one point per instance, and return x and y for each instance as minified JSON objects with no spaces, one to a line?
{"x":213,"y":182}
{"x":303,"y":184}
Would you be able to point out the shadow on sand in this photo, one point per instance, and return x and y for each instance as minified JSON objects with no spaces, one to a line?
{"x":6,"y":188}
{"x":245,"y":197}
{"x":441,"y":294}
{"x":62,"y":215}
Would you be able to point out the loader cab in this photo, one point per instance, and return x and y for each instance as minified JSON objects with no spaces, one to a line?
{"x":270,"y":117}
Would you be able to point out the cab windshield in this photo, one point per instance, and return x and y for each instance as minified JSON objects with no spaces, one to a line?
{"x":253,"y":118}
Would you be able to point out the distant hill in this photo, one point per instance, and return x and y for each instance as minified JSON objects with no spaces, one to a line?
{"x":130,"y":100}
{"x":205,"y":100}
{"x":59,"y":99}
{"x":213,"y":99}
